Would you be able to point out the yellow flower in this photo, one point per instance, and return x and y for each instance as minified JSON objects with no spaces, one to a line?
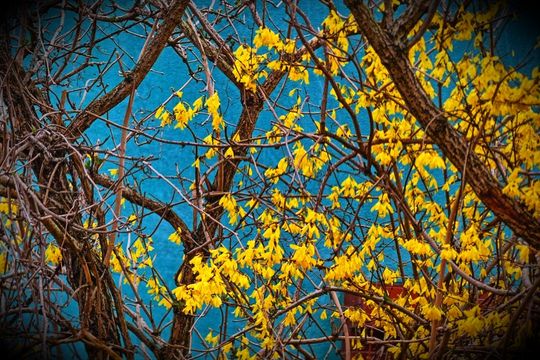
{"x":7,"y":206}
{"x":431,"y":312}
{"x":268,"y":38}
{"x":273,"y":174}
{"x":211,"y":339}
{"x":227,"y":348}
{"x":523,"y":253}
{"x":53,"y":254}
{"x":302,"y":161}
{"x":3,"y":262}
{"x":229,"y":203}
{"x":212,"y":104}
{"x":470,"y":325}
{"x":383,"y":206}
{"x":299,"y":73}
{"x":182,"y":115}
{"x":246,"y":66}
{"x":159,"y":111}
{"x":272,"y":233}
{"x":229,"y":153}
{"x":210,"y":141}
{"x":512,"y":187}
{"x":333,"y":23}
{"x":197,"y":105}
{"x":175,"y":236}
{"x":303,"y":255}
{"x":163,"y":115}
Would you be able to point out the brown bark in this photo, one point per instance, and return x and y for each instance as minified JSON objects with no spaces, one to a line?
{"x":171,"y":18}
{"x":182,"y":323}
{"x":252,"y":105}
{"x":452,"y":144}
{"x":157,"y":207}
{"x":100,"y":313}
{"x":86,"y":274}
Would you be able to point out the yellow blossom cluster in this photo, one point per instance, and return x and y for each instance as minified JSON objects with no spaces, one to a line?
{"x":336,"y":29}
{"x":234,"y":210}
{"x":159,"y":292}
{"x":308,"y":164}
{"x":210,"y":285}
{"x":392,"y":211}
{"x":53,"y":254}
{"x":247,"y":67}
{"x":176,"y":237}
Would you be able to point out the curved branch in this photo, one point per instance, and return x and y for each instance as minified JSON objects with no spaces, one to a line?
{"x":159,"y":208}
{"x":148,"y":57}
{"x":410,"y":17}
{"x":452,"y":144}
{"x":252,"y":105}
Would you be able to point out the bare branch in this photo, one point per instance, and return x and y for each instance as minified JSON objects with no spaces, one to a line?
{"x":171,"y":18}
{"x":436,"y":125}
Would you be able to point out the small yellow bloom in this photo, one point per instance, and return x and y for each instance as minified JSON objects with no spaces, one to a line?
{"x":175,"y":236}
{"x":266,"y":37}
{"x":3,"y":262}
{"x":159,"y":111}
{"x":53,"y":254}
{"x":229,"y":153}
{"x":211,"y":339}
{"x":431,"y":312}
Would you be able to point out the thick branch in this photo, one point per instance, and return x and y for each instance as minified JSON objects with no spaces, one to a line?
{"x":156,"y":44}
{"x":252,"y":105}
{"x":406,"y":22}
{"x":436,"y":125}
{"x":159,"y":208}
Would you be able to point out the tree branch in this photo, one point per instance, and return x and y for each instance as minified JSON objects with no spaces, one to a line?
{"x":406,"y":22}
{"x":156,"y":44}
{"x":452,"y":144}
{"x":159,"y":208}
